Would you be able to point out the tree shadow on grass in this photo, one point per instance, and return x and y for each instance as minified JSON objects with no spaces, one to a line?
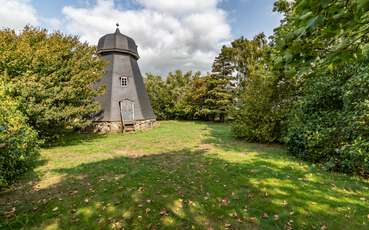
{"x":339,"y":197}
{"x":74,"y":138}
{"x":185,"y":189}
{"x":221,"y":136}
{"x":31,"y":177}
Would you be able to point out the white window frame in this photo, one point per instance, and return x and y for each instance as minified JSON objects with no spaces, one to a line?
{"x":123,"y":81}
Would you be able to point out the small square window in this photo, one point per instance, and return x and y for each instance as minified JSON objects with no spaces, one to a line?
{"x":123,"y":81}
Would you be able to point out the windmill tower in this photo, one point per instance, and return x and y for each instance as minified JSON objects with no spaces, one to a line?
{"x":125,"y":106}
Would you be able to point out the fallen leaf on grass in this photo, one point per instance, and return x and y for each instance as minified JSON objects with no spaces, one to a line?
{"x":285,"y":203}
{"x":288,"y":225}
{"x":252,"y":220}
{"x":10,"y":213}
{"x":117,"y":225}
{"x":225,"y":201}
{"x":233,"y":214}
{"x":276,"y":217}
{"x":190,"y":202}
{"x":265,"y":215}
{"x":164,"y":212}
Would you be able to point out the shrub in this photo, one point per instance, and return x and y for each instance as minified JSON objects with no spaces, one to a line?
{"x":18,"y":142}
{"x":53,"y":75}
{"x":330,"y":122}
{"x":255,"y":119}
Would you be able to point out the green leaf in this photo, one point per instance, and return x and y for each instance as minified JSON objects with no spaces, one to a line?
{"x":312,"y":22}
{"x":306,"y":15}
{"x":362,"y":4}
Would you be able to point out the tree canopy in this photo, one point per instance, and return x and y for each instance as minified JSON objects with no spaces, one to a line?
{"x":53,"y":76}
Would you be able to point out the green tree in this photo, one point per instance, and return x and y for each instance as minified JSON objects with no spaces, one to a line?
{"x":256,"y":112}
{"x":218,"y":94}
{"x":321,"y":56}
{"x":160,"y":99}
{"x":178,"y":85}
{"x":53,"y":76}
{"x":195,"y":97}
{"x":329,"y":123}
{"x":246,"y":56}
{"x":18,"y":142}
{"x":170,"y":98}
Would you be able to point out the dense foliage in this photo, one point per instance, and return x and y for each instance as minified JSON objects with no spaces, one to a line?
{"x":18,"y":142}
{"x":189,"y":96}
{"x":169,"y":96}
{"x":323,"y":50}
{"x":53,"y":75}
{"x":254,"y":115}
{"x":219,"y":89}
{"x":46,"y":88}
{"x":330,"y":122}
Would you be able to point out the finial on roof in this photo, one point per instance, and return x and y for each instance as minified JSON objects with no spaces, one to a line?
{"x":117,"y":30}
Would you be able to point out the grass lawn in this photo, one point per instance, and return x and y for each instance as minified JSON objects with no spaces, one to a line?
{"x":181,"y":175}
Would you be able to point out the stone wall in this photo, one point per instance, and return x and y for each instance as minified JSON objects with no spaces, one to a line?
{"x":116,"y":126}
{"x":145,"y":124}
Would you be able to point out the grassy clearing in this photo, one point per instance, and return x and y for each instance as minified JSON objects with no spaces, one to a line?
{"x":182,"y":175}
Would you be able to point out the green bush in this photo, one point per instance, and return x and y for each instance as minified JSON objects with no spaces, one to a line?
{"x":330,"y":123}
{"x":255,"y":119}
{"x":18,"y":142}
{"x":53,"y":75}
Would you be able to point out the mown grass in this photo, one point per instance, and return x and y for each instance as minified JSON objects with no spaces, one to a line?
{"x":181,"y":175}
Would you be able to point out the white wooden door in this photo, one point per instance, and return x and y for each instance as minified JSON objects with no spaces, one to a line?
{"x":127,"y":109}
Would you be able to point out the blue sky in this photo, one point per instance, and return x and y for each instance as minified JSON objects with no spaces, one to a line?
{"x":250,"y":17}
{"x":246,"y":17}
{"x":171,"y":34}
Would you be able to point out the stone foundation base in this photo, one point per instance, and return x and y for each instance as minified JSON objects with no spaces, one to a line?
{"x":116,"y":126}
{"x":145,"y":124}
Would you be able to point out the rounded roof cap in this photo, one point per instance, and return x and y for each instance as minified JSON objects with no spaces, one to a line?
{"x":117,"y":42}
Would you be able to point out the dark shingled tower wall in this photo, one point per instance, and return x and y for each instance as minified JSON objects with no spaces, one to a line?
{"x":121,"y":53}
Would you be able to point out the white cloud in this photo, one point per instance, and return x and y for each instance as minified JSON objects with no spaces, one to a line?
{"x":179,"y":7}
{"x":15,"y":14}
{"x":170,"y":34}
{"x":52,"y":24}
